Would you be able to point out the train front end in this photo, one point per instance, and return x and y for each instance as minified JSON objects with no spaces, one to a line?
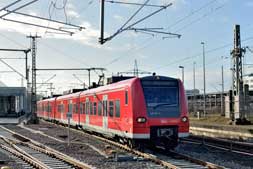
{"x":163,"y":114}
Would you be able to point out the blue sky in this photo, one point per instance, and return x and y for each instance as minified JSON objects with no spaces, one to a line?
{"x":210,"y":21}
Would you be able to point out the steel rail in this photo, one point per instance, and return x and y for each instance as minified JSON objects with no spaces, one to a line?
{"x":46,"y":150}
{"x":24,"y":157}
{"x":220,"y":147}
{"x":17,"y":149}
{"x":124,"y":147}
{"x":197,"y":161}
{"x":146,"y":155}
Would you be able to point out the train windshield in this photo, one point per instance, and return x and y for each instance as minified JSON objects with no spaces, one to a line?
{"x":162,"y":98}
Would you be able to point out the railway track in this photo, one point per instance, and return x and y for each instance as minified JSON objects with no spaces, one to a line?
{"x":171,"y":160}
{"x":222,"y":144}
{"x":30,"y":154}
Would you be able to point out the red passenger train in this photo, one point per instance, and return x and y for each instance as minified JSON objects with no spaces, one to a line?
{"x":151,"y":109}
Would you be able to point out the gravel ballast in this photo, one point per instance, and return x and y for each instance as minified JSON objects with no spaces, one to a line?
{"x":219,"y":157}
{"x":85,"y":148}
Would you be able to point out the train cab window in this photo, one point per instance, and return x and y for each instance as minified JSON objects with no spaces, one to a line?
{"x":117,"y":108}
{"x":105,"y":108}
{"x":91,"y":111}
{"x":126,"y":97}
{"x":111,"y":108}
{"x":99,"y":108}
{"x":94,"y":108}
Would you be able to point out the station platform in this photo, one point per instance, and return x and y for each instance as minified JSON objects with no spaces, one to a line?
{"x":12,"y":120}
{"x":221,"y":129}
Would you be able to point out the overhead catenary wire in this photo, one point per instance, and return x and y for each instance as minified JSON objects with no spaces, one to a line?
{"x":1,"y":60}
{"x":63,"y":7}
{"x":13,"y":41}
{"x":195,"y":11}
{"x":191,"y":13}
{"x":201,"y":17}
{"x":199,"y":54}
{"x":125,"y":26}
{"x":133,"y":3}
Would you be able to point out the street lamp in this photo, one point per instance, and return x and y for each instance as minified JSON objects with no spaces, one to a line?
{"x":182,"y":67}
{"x":194,"y":86}
{"x":204,"y":76}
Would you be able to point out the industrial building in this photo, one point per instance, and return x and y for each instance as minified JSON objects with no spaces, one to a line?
{"x":13,"y":101}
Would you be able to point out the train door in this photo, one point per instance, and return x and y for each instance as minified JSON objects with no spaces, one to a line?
{"x":80,"y":109}
{"x":48,"y":110}
{"x":105,"y":112}
{"x":87,"y":111}
{"x":70,"y":110}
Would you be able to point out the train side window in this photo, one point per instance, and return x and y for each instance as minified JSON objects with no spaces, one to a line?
{"x":62,"y":108}
{"x":126,"y":97}
{"x":111,"y":108}
{"x":81,"y":108}
{"x":77,"y":108}
{"x":95,"y":108}
{"x":91,"y":112}
{"x":74,"y":108}
{"x":70,"y":108}
{"x":84,"y":108}
{"x":49,"y":107}
{"x":47,"y":110}
{"x":117,"y":108}
{"x":59,"y":108}
{"x":99,"y":108}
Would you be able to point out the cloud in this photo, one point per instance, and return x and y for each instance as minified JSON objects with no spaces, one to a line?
{"x":72,"y":14}
{"x":88,"y":36}
{"x":71,"y":10}
{"x":118,"y":17}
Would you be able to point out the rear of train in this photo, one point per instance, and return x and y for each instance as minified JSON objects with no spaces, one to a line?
{"x":160,"y":110}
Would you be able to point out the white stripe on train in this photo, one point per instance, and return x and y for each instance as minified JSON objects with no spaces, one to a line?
{"x":112,"y":132}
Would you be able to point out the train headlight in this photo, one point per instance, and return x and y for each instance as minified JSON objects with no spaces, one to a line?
{"x":141,"y":120}
{"x":184,"y":119}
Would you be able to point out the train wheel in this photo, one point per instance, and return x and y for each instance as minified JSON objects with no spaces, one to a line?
{"x":130,"y":143}
{"x":135,"y":145}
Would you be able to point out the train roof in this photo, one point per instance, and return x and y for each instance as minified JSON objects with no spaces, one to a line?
{"x":117,"y":85}
{"x":157,"y":77}
{"x":113,"y":86}
{"x":48,"y":99}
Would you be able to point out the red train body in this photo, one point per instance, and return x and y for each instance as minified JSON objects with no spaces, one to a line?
{"x":152,"y":109}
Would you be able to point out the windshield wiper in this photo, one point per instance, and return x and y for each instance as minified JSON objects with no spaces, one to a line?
{"x":164,"y":104}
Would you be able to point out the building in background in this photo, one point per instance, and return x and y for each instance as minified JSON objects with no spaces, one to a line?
{"x":248,"y":79}
{"x":13,"y":101}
